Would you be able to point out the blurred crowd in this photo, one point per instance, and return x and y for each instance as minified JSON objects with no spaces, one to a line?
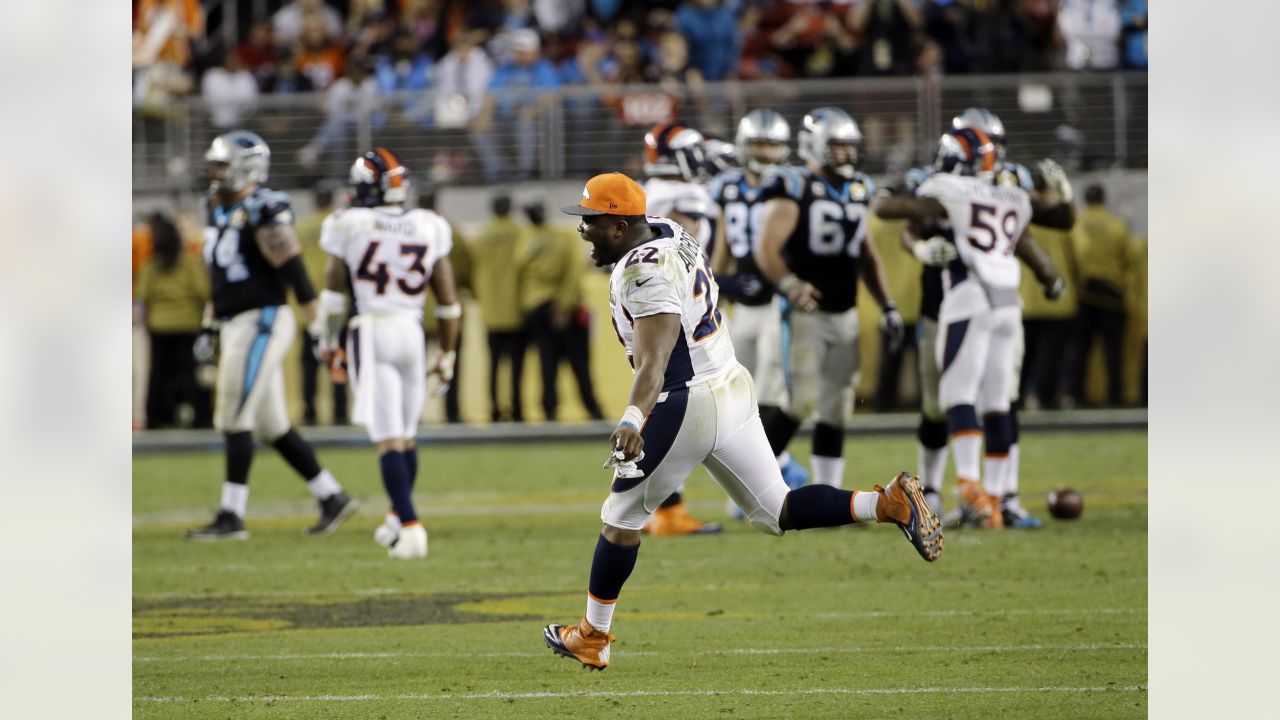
{"x":470,"y":46}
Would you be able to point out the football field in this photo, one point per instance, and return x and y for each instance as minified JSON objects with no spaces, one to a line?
{"x":838,"y":623}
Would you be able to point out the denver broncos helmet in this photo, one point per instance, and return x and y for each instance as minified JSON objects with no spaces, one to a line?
{"x":673,"y":148}
{"x":379,"y":178}
{"x":965,"y":151}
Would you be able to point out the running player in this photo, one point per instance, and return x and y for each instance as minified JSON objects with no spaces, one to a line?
{"x":253,"y":256}
{"x":980,"y":310}
{"x":691,"y":404}
{"x":813,"y":248}
{"x":387,"y":256}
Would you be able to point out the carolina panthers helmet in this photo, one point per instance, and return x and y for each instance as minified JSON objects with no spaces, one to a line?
{"x":673,"y":148}
{"x":763,"y":126}
{"x":984,"y":120}
{"x":965,"y":151}
{"x":720,"y":155}
{"x":822,"y":128}
{"x":379,"y":178}
{"x":246,"y":156}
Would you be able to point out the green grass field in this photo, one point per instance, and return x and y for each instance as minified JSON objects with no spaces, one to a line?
{"x":820,"y":624}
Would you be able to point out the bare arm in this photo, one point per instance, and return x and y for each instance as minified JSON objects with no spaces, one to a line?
{"x":921,"y":209}
{"x":720,"y":256}
{"x":278,"y":243}
{"x":1040,"y":263}
{"x":337,"y":277}
{"x":1059,"y":216}
{"x":655,"y":336}
{"x":872,"y":271}
{"x":446,"y":296}
{"x":779,"y":221}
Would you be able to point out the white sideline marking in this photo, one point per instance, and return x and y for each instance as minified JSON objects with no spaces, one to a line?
{"x":637,"y":693}
{"x":646,"y":653}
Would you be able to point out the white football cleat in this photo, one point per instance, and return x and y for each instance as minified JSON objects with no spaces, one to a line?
{"x":412,"y":543}
{"x":388,"y":532}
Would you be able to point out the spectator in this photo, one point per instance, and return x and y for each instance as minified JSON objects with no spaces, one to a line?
{"x":370,"y":30}
{"x":421,"y":20}
{"x":496,"y":277}
{"x":173,"y":288}
{"x":809,"y":39}
{"x":462,"y":78}
{"x":1091,"y":29}
{"x":318,"y":57}
{"x":1103,"y":253}
{"x":559,"y":16}
{"x":230,"y":92}
{"x":288,"y":78}
{"x":888,"y":29}
{"x":348,"y":102}
{"x":711,"y":27}
{"x":290,"y":20}
{"x":259,"y":54}
{"x":947,"y":23}
{"x":551,"y":270}
{"x":1134,"y":15}
{"x":407,"y":71}
{"x":517,"y":98}
{"x":316,"y":260}
{"x":143,"y":248}
{"x":1036,"y":38}
{"x":162,"y":52}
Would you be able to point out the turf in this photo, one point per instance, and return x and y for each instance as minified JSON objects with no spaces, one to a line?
{"x":830,"y":623}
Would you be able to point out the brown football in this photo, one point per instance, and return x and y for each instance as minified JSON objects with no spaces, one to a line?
{"x":1065,"y":504}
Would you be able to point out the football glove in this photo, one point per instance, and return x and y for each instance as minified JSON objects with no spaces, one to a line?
{"x":205,"y":349}
{"x":1054,"y":290}
{"x":1055,"y":178}
{"x":736,"y":287}
{"x":443,"y":372}
{"x":935,"y":252}
{"x":893,"y":328}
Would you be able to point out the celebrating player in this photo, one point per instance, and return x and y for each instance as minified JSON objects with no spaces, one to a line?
{"x":762,"y":141}
{"x":980,"y":311}
{"x":387,"y":256}
{"x":675,"y":166}
{"x":253,"y":255}
{"x":813,"y":248}
{"x":691,"y":404}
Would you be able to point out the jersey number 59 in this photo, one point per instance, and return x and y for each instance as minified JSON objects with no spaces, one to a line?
{"x":987,"y":236}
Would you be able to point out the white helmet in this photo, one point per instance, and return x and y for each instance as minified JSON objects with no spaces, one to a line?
{"x":247,"y":158}
{"x":762,"y":126}
{"x":822,"y":127}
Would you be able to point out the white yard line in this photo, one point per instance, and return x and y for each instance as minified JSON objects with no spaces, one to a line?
{"x":1085,"y":647}
{"x":640,"y":693}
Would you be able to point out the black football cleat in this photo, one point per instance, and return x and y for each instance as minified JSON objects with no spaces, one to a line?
{"x":333,"y":511}
{"x":226,"y":525}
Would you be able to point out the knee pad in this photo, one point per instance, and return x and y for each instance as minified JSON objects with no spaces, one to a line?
{"x":765,"y":522}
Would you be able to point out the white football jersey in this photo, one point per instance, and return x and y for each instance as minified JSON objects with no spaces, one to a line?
{"x":662,"y":197}
{"x":390,"y":252}
{"x":669,"y":275}
{"x":986,"y":222}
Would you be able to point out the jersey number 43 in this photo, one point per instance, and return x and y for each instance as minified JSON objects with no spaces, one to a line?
{"x":377,"y":273}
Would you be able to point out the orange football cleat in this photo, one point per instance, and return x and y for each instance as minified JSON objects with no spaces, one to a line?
{"x":580,"y":642}
{"x":676,"y":520}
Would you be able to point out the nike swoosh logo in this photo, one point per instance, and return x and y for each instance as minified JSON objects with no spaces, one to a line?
{"x":639,"y":283}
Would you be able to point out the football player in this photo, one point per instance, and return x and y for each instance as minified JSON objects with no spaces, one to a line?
{"x":813,"y":248}
{"x":980,"y":311}
{"x":253,"y":258}
{"x":691,"y":404}
{"x":762,"y":142}
{"x":675,"y":167}
{"x":387,"y":256}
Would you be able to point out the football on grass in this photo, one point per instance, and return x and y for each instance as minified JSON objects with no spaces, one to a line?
{"x":1065,"y":504}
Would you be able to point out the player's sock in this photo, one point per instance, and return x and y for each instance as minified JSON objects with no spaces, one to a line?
{"x":672,"y":500}
{"x":610,"y":568}
{"x":235,"y":497}
{"x":396,"y":480}
{"x":1011,"y":477}
{"x":966,"y":440}
{"x":815,"y":506}
{"x":998,"y":433}
{"x":933,"y":453}
{"x":411,"y":458}
{"x":780,"y":428}
{"x":239,"y":453}
{"x":828,"y":455}
{"x":298,"y":454}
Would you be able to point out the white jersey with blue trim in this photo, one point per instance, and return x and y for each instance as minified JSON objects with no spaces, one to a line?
{"x":390,"y":252}
{"x":986,"y":220}
{"x":669,"y":274}
{"x":663,"y":197}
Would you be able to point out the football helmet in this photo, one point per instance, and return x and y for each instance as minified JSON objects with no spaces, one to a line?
{"x":246,"y":156}
{"x":673,"y":148}
{"x":822,"y":128}
{"x":965,"y":151}
{"x":763,"y":126}
{"x":720,"y":155}
{"x":378,"y":178}
{"x":984,"y":120}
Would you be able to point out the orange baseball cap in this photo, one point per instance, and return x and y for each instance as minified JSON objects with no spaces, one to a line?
{"x":609,"y":194}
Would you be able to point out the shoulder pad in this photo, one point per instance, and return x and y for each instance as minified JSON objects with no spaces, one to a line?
{"x":269,"y":206}
{"x":787,"y":181}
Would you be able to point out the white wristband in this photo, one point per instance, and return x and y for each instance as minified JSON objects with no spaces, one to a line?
{"x":632,"y":416}
{"x":449,"y":312}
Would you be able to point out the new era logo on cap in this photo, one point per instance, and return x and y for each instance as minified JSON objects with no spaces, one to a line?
{"x":610,"y":194}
